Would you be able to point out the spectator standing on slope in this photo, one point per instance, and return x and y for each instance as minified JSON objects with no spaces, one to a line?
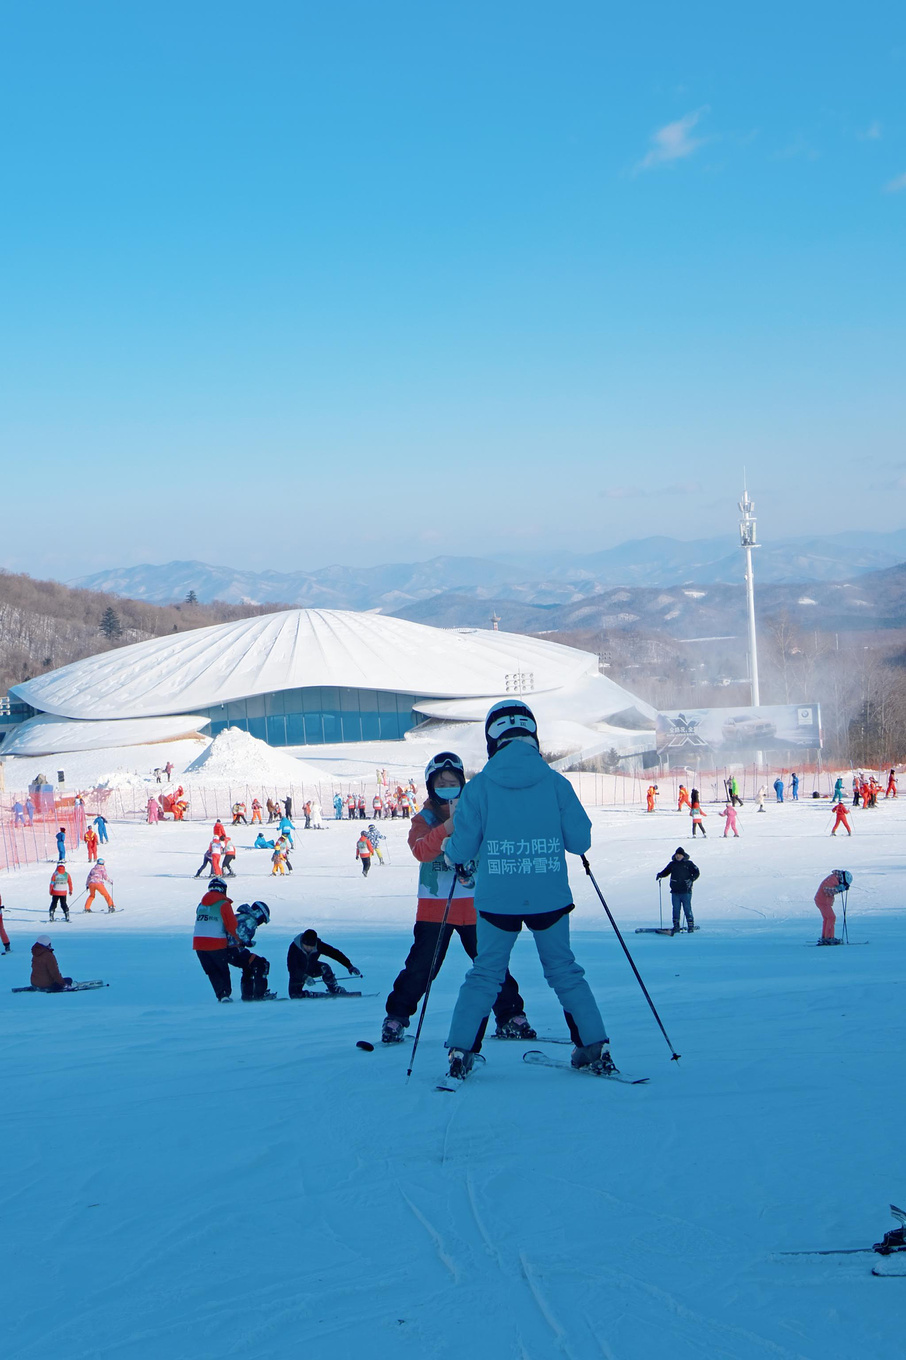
{"x":683,"y":873}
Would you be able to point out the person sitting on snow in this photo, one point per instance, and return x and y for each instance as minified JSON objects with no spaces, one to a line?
{"x":45,"y":971}
{"x":303,"y":959}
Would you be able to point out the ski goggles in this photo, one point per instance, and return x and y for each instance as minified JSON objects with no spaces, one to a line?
{"x":446,"y":760}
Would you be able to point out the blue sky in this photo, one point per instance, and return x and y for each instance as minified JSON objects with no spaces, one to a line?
{"x":288,"y":284}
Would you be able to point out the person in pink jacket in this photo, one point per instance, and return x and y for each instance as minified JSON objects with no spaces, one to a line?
{"x":96,"y":882}
{"x":731,"y":824}
{"x":153,"y":810}
{"x":837,"y":881}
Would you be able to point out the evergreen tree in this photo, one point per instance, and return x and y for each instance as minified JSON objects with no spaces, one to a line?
{"x":191,"y":598}
{"x":110,"y":625}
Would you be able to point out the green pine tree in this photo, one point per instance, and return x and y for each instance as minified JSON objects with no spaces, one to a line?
{"x":110,"y":625}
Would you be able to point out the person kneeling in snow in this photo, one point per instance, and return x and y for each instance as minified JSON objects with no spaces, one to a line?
{"x":303,"y":959}
{"x":261,"y":843}
{"x":45,"y":971}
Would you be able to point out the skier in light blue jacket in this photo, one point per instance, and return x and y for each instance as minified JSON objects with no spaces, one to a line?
{"x":516,"y":819}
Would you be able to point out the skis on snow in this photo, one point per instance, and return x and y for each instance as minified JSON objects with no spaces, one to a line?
{"x":73,"y":987}
{"x":538,"y":1059}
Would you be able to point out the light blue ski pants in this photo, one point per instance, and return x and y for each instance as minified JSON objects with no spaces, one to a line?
{"x":483,"y":981}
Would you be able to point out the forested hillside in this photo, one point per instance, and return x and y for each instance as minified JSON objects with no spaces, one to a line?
{"x":44,"y":624}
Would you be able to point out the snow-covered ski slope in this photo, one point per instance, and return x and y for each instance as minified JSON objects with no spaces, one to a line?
{"x":191,"y":1181}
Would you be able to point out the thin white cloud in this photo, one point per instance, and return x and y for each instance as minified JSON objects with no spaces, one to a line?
{"x":895,"y":185}
{"x":872,"y":133}
{"x":673,"y":141}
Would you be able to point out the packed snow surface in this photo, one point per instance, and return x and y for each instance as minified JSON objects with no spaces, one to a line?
{"x":192,"y":1181}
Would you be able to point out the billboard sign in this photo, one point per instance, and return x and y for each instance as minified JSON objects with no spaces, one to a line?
{"x":733,"y":733}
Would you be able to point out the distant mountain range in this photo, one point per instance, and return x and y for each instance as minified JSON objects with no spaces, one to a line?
{"x":542,"y":580}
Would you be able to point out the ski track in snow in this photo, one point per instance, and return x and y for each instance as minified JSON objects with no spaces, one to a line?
{"x":191,"y":1181}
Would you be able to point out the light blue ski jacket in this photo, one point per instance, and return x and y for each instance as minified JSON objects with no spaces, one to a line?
{"x":517,"y":818}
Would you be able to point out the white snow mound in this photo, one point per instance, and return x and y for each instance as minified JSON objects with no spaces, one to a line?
{"x":238,"y":756}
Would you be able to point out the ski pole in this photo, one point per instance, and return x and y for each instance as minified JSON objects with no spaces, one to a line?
{"x":675,"y":1057}
{"x":660,"y":902}
{"x":440,"y":936}
{"x":845,"y":931}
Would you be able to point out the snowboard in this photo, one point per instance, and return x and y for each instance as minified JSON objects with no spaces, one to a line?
{"x":662,"y":930}
{"x":73,"y":987}
{"x":538,"y":1059}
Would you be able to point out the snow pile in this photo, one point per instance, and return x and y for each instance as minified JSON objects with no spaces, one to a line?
{"x":120,"y":779}
{"x":237,"y":757}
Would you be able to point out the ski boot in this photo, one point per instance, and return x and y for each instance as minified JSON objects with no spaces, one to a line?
{"x":460,"y":1063}
{"x":66,"y":917}
{"x":109,"y":909}
{"x":224,"y":999}
{"x":676,"y":927}
{"x":392,"y":1030}
{"x":517,"y":1027}
{"x":595,"y":1057}
{"x":895,"y":1240}
{"x":690,"y":924}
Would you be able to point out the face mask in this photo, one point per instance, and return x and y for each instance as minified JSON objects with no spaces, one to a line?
{"x":447,"y":795}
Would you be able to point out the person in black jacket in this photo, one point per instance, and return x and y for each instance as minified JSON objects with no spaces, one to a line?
{"x":303,"y":959}
{"x":683,"y":874}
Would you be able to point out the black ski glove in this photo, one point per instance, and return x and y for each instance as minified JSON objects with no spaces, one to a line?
{"x":354,"y":972}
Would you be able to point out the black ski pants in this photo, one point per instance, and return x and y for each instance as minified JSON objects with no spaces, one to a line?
{"x":254,"y":969}
{"x":216,"y":963}
{"x":228,"y":865}
{"x":61,"y":902}
{"x":206,"y":861}
{"x":412,"y":983}
{"x":299,"y":980}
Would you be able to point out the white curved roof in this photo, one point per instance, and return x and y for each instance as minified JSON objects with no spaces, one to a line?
{"x":295,"y":649}
{"x":47,"y":735}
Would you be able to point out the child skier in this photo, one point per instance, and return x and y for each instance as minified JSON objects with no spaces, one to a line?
{"x":683,"y":798}
{"x":96,"y":882}
{"x":837,"y":881}
{"x":376,"y":837}
{"x":61,"y":844}
{"x":303,"y":959}
{"x":516,"y":819}
{"x":444,"y":779}
{"x":842,"y":812}
{"x":254,"y":969}
{"x":794,"y":787}
{"x":651,"y":797}
{"x":762,"y":795}
{"x":60,"y":891}
{"x":838,"y":789}
{"x":229,"y":854}
{"x":91,"y":841}
{"x":683,"y":874}
{"x":731,"y":823}
{"x":261,"y":843}
{"x":697,"y":814}
{"x":338,"y":807}
{"x":45,"y":971}
{"x":363,"y":851}
{"x":891,"y":786}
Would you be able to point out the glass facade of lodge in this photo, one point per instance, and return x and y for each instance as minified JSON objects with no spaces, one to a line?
{"x":317,"y":716}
